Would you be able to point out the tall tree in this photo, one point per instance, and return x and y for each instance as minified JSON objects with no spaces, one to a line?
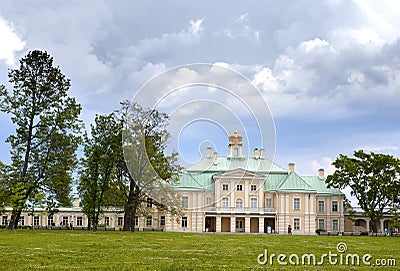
{"x":146,"y":171}
{"x":43,"y":147}
{"x":99,"y":167}
{"x":373,"y":179}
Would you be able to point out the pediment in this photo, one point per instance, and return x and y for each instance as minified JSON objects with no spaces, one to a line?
{"x":238,"y":173}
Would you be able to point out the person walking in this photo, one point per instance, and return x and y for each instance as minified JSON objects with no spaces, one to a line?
{"x":289,"y":230}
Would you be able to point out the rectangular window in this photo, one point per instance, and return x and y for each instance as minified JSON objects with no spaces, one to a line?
{"x":79,"y":221}
{"x":22,"y":219}
{"x":239,"y":187}
{"x":253,"y":187}
{"x":225,"y":187}
{"x":208,"y":201}
{"x":253,"y":203}
{"x":50,"y":220}
{"x":296,"y":223}
{"x":321,"y":224}
{"x":120,"y":221}
{"x":184,"y":222}
{"x":334,"y":206}
{"x":335,"y":225}
{"x":4,"y":220}
{"x":162,"y":221}
{"x":321,"y":206}
{"x":185,"y":202}
{"x":225,"y":202}
{"x":65,"y":220}
{"x":149,"y":202}
{"x":296,"y":204}
{"x":149,"y":221}
{"x":136,"y":221}
{"x":107,"y":221}
{"x":268,"y":203}
{"x":36,"y":220}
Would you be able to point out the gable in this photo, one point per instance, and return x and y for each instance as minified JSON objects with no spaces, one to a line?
{"x":239,"y":173}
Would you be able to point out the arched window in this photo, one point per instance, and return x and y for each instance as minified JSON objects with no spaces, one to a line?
{"x":239,"y":203}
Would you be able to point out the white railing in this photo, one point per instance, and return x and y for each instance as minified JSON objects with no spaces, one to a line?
{"x":234,"y":210}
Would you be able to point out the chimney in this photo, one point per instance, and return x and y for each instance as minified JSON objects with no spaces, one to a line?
{"x":77,"y":202}
{"x":261,"y":153}
{"x":321,"y":173}
{"x":256,"y":153}
{"x":291,"y":167}
{"x":215,"y":156}
{"x":209,"y":152}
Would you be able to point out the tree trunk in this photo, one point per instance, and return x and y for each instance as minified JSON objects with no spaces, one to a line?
{"x":131,"y":207}
{"x":15,"y":216}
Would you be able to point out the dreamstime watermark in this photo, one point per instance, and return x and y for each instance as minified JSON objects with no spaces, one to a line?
{"x":338,"y":257}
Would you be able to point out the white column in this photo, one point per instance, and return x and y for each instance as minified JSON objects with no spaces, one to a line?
{"x":168,"y":222}
{"x":261,"y":224}
{"x":246,"y":194}
{"x":218,"y":193}
{"x":233,"y":189}
{"x":218,"y":224}
{"x":247,"y":224}
{"x":233,"y":224}
{"x":261,"y":202}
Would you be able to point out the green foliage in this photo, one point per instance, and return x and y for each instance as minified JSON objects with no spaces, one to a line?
{"x":148,"y":170}
{"x":43,"y":147}
{"x":373,"y":179}
{"x":102,"y":151}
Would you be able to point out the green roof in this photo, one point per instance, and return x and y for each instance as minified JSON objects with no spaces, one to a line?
{"x":200,"y":176}
{"x":320,"y":185}
{"x":294,"y":182}
{"x":229,"y":163}
{"x":196,"y":181}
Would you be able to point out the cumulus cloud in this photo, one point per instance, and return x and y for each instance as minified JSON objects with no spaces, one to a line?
{"x":10,"y":42}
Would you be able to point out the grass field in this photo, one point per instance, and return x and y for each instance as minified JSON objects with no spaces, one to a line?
{"x":82,"y":250}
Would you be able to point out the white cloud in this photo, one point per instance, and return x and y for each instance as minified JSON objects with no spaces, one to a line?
{"x":10,"y":42}
{"x":378,"y":148}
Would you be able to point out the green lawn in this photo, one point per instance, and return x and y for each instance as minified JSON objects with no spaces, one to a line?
{"x":56,"y":250}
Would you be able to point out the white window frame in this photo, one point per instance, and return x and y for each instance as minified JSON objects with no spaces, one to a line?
{"x":185,"y":202}
{"x":296,"y":223}
{"x":335,"y":206}
{"x":296,"y":204}
{"x":335,"y":225}
{"x":254,"y":203}
{"x":120,"y":221}
{"x":253,"y":187}
{"x":239,"y":187}
{"x":149,"y":221}
{"x":239,"y":203}
{"x":321,"y":203}
{"x":79,"y":221}
{"x":36,"y":220}
{"x":225,"y":202}
{"x":184,"y":222}
{"x":268,"y":203}
{"x":225,"y":187}
{"x":321,"y":222}
{"x":50,"y":220}
{"x":107,"y":221}
{"x":162,"y":221}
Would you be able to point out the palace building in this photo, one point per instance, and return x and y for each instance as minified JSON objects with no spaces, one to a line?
{"x":233,"y":194}
{"x":254,"y":195}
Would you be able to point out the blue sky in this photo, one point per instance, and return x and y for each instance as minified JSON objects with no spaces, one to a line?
{"x":329,"y":71}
